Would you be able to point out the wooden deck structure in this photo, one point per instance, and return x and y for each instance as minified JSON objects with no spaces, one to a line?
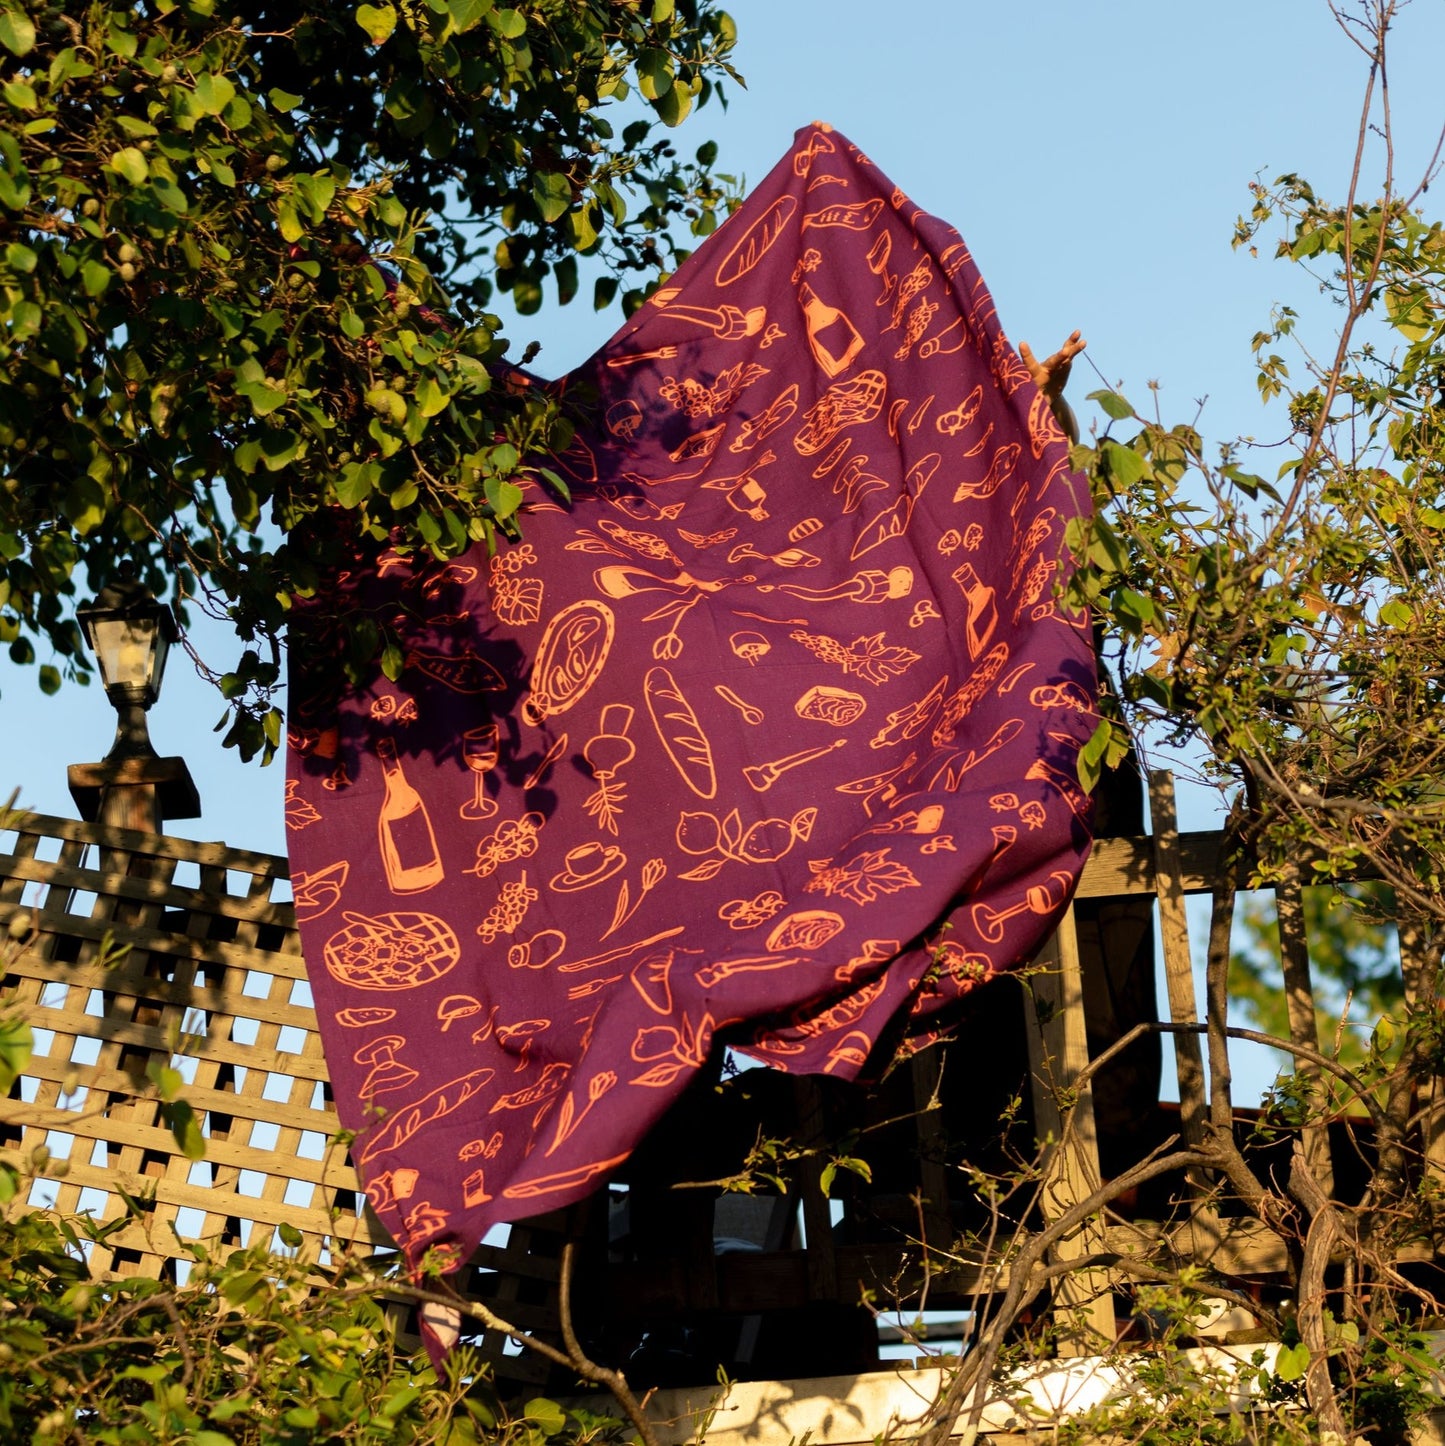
{"x":133,"y":950}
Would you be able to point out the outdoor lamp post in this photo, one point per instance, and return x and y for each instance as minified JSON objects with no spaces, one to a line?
{"x":130,"y":633}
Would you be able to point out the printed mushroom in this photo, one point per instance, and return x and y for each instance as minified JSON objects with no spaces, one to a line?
{"x":455,"y":1007}
{"x":750,"y":646}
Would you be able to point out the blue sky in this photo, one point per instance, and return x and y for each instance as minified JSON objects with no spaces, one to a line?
{"x":1093,"y":155}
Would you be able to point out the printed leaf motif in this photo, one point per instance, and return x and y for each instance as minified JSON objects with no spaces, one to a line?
{"x":667,"y":610}
{"x":710,"y":539}
{"x":871,"y":659}
{"x":590,"y":542}
{"x":299,"y":813}
{"x":863,"y":880}
{"x":732,"y":830}
{"x":875,"y":662}
{"x":709,"y":869}
{"x":661,"y":1075}
{"x":678,"y":1048}
{"x":623,"y":900}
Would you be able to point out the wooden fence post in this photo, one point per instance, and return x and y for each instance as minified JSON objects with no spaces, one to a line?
{"x":1303,"y":1027}
{"x":1058,"y":1051}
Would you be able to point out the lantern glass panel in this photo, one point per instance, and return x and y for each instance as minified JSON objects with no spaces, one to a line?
{"x":131,"y":653}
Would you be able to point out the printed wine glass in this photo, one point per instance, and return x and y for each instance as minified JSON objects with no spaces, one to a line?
{"x":481,"y":750}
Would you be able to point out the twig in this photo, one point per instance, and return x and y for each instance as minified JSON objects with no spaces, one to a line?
{"x":1255,"y":1036}
{"x":1359,"y":296}
{"x":1216,"y":978}
{"x":615,"y":1381}
{"x":1132,"y":1265}
{"x":973,"y":1376}
{"x":573,"y":1358}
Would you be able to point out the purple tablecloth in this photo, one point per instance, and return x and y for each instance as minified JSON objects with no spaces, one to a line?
{"x":769,"y":738}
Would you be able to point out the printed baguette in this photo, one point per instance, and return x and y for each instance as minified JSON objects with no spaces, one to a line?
{"x":441,"y":1101}
{"x":681,"y":732}
{"x":756,"y":241}
{"x":554,"y":1077}
{"x":852,"y":215}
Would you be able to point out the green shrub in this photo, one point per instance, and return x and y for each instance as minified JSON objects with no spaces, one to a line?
{"x":252,"y":1350}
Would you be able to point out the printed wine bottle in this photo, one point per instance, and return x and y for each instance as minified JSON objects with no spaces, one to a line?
{"x":408,"y":846}
{"x":982,"y":609}
{"x":831,"y":335}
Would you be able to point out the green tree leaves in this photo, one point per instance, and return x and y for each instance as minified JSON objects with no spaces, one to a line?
{"x":377,"y":22}
{"x":130,"y":162}
{"x":242,"y":321}
{"x":16,"y":1043}
{"x":17,"y":31}
{"x":467,"y":14}
{"x":1113,"y":405}
{"x":553,"y":193}
{"x":214,"y":92}
{"x":654,"y":73}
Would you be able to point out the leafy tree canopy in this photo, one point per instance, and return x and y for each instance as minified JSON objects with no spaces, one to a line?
{"x":1290,"y":622}
{"x":245,"y":253}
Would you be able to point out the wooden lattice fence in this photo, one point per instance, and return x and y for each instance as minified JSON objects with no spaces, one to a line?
{"x":130,"y":951}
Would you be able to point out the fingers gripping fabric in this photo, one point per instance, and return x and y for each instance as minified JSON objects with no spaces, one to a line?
{"x":769,"y":736}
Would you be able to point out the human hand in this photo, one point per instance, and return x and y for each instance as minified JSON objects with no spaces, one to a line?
{"x":1052,"y":375}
